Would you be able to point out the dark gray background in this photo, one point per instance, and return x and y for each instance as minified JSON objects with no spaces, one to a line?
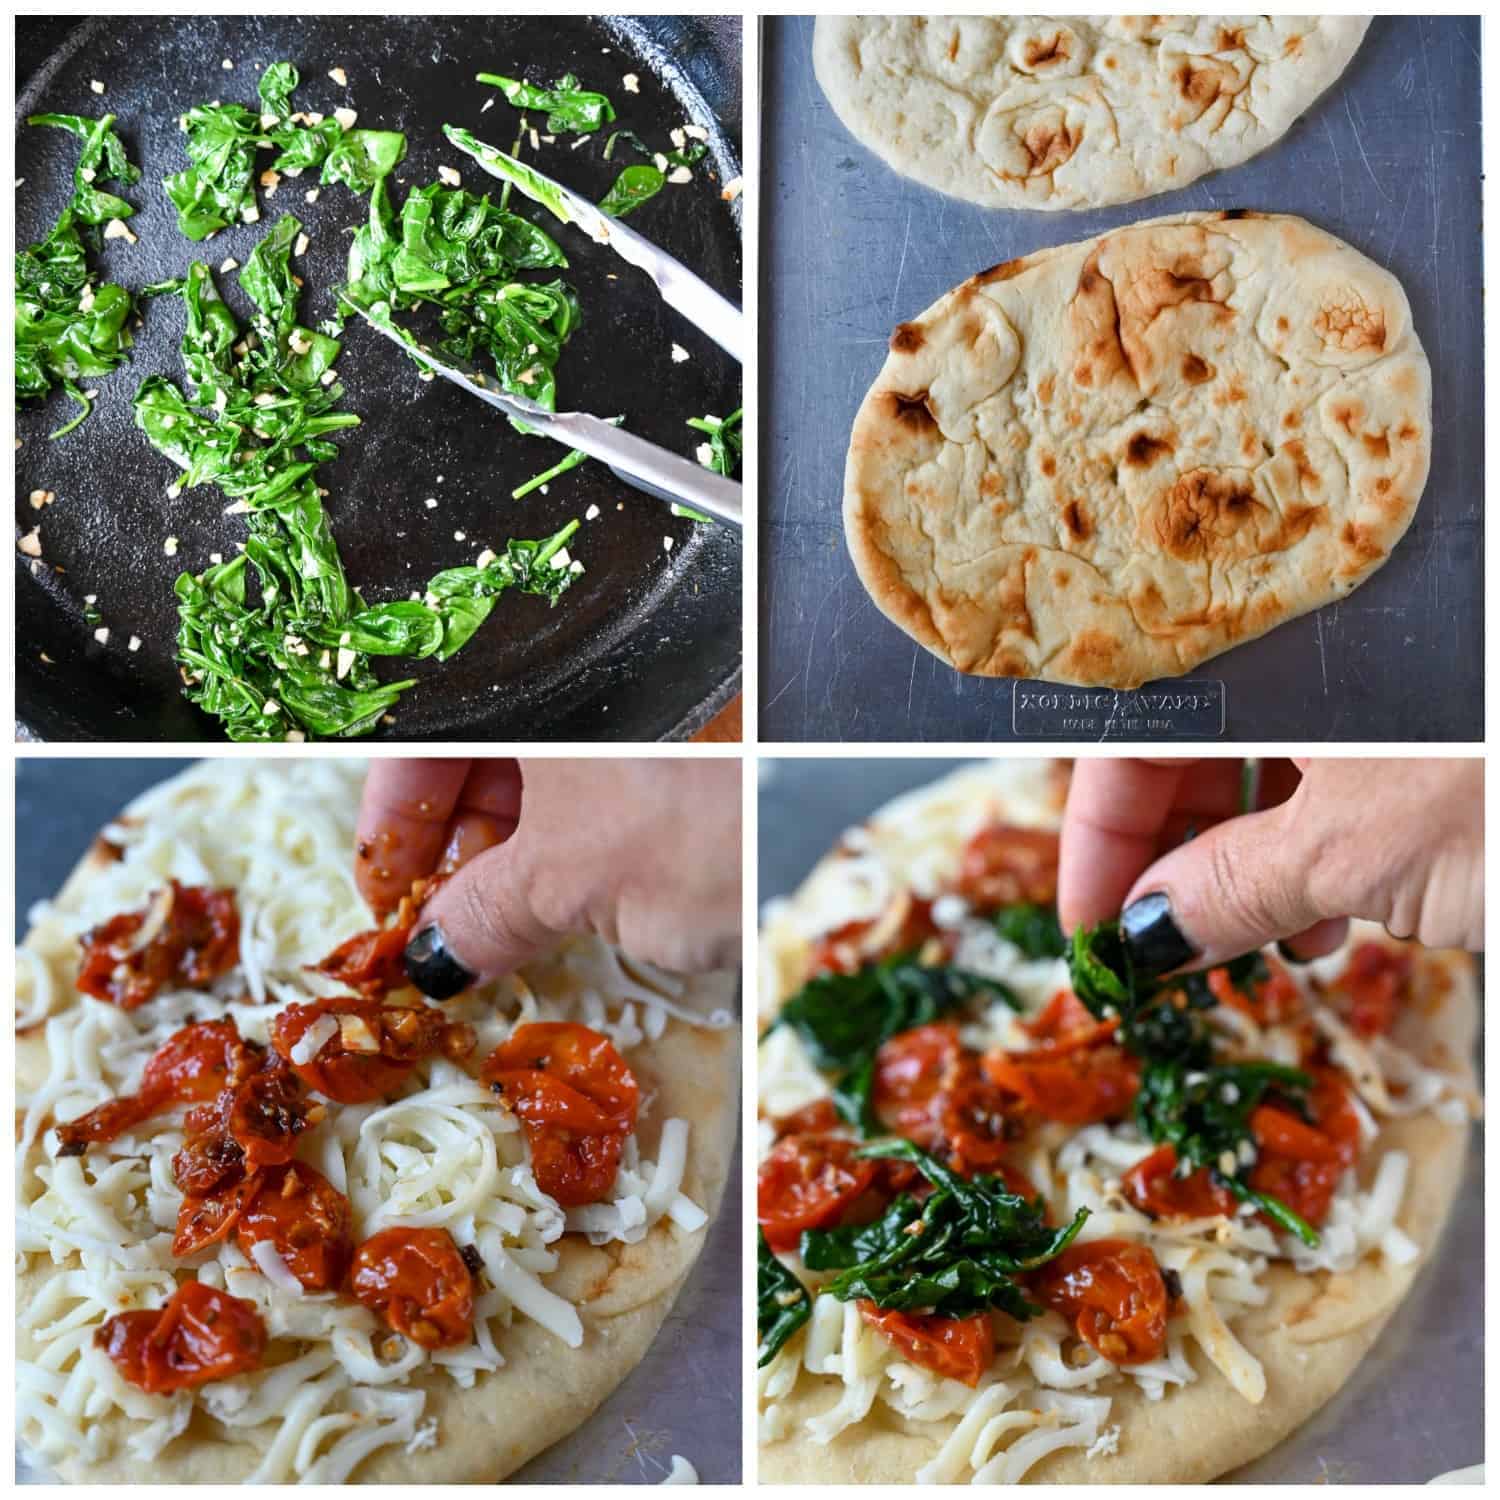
{"x":1414,"y":1407}
{"x":1388,"y":159}
{"x":683,"y":1398}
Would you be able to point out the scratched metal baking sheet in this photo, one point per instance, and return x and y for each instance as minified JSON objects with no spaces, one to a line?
{"x":1415,"y":1406}
{"x":684,"y":1397}
{"x":1388,"y":159}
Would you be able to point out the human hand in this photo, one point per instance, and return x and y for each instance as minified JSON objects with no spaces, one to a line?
{"x":1394,"y":841}
{"x":644,"y":853}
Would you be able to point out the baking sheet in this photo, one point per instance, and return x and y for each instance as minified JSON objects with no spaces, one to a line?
{"x":684,"y":1397}
{"x":1388,"y":159}
{"x":1415,"y":1406}
{"x":647,"y":642}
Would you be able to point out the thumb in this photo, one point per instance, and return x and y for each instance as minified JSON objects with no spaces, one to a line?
{"x":481,"y":923}
{"x":1233,"y":888}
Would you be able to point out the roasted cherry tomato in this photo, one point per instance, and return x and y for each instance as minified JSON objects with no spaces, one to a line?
{"x":1065,"y":1022}
{"x":372,"y":1050}
{"x":1300,"y":1163}
{"x":812,"y":1119}
{"x":371,"y":962}
{"x":809,"y":1182}
{"x":1073,"y":1085}
{"x":253,"y":1125}
{"x":911,"y":1072}
{"x":1373,"y":988}
{"x":1271,"y":1001}
{"x":208,"y":1218}
{"x":977,"y":1123}
{"x":955,"y":1348}
{"x":1113,"y":1293}
{"x":191,"y":1065}
{"x":202,"y":1334}
{"x":1003,"y":865}
{"x":1154,"y":1187}
{"x":849,"y":948}
{"x":306,"y":1219}
{"x":418,"y":1282}
{"x":577,"y":1098}
{"x":187,"y":935}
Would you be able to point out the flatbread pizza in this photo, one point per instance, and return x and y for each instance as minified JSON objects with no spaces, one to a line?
{"x":1060,"y":112}
{"x":1025,"y":1216}
{"x":281,"y":1220}
{"x":1109,"y":461}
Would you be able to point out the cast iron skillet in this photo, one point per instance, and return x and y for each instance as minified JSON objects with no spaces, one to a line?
{"x":646,"y":645}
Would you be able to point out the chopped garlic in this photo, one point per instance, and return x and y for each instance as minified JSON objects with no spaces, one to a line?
{"x":680,"y":175}
{"x":250,"y":215}
{"x":117,"y":229}
{"x":485,"y":558}
{"x":97,"y":87}
{"x":679,"y":355}
{"x":39,"y":498}
{"x":270,"y":180}
{"x":705,"y":455}
{"x":310,"y":196}
{"x":31,"y":542}
{"x":102,"y":635}
{"x":339,"y":77}
{"x":666,"y":544}
{"x":328,"y":376}
{"x":733,"y":189}
{"x":300,"y":248}
{"x":459,"y":536}
{"x":134,"y":643}
{"x":632,"y":83}
{"x":450,"y":176}
{"x":591,"y":513}
{"x":697,"y":132}
{"x":228,"y":264}
{"x":346,"y":118}
{"x":170,"y":546}
{"x":269,"y":121}
{"x":227,"y":65}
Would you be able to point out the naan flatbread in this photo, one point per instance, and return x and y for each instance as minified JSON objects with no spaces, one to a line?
{"x":1314,"y":1328}
{"x":545,"y":1390}
{"x":1109,"y":461}
{"x":1053,"y":112}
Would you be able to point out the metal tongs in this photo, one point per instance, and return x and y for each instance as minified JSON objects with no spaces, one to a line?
{"x":641,"y":464}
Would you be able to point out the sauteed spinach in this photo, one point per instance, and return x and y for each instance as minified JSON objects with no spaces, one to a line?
{"x":68,"y":328}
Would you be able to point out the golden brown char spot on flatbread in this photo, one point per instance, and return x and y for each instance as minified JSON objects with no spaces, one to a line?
{"x":1292,"y":419}
{"x":1351,"y":325}
{"x":911,"y":412}
{"x":1196,"y":371}
{"x":1231,"y":38}
{"x":1193,"y":517}
{"x":991,"y":485}
{"x":1377,"y":444}
{"x":1296,"y":450}
{"x":1080,"y":528}
{"x":1143,"y":450}
{"x":1044,"y":389}
{"x":1040,"y":53}
{"x":1362,"y":548}
{"x":907,"y":338}
{"x":1003,"y":272}
{"x":1048,"y":146}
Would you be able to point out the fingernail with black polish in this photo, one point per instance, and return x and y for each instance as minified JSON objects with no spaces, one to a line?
{"x":432,"y":967}
{"x":1155,"y":941}
{"x":1290,"y":954}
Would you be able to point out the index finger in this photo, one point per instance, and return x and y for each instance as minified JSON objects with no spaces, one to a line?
{"x":1113,"y":821}
{"x":412,"y":808}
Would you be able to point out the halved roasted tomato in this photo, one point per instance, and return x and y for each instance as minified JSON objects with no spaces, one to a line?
{"x":1155,"y":1188}
{"x":1113,"y":1293}
{"x":1003,"y":865}
{"x":809,"y":1182}
{"x":955,"y":1348}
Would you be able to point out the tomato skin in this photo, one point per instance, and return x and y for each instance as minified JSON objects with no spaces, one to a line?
{"x":955,"y":1348}
{"x":192,"y":1065}
{"x":809,"y":1182}
{"x":370,"y":963}
{"x":816,"y":1118}
{"x":206,"y":1219}
{"x":202,"y":1334}
{"x":198,"y":942}
{"x":1113,"y":1293}
{"x":911,"y":1072}
{"x":417,"y":1282}
{"x":1153,"y":1186}
{"x":842,"y":951}
{"x":1066,"y":1023}
{"x":1272,"y":1001}
{"x":577,"y":1099}
{"x":402,"y":1034}
{"x":1003,"y":865}
{"x":306,"y":1219}
{"x":1374,"y":987}
{"x":1076,"y":1085}
{"x":1300,"y":1163}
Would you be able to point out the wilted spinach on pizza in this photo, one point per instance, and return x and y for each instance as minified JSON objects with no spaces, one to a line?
{"x":1024,"y":1212}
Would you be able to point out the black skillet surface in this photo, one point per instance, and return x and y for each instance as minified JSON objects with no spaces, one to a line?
{"x":646,"y":645}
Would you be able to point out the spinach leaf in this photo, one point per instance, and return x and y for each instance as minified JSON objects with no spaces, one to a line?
{"x":634,"y":186}
{"x":68,"y":328}
{"x":721,"y":452}
{"x":216,"y":190}
{"x":1187,"y":1099}
{"x":535,"y":186}
{"x":687,"y":155}
{"x":1034,"y":929}
{"x":569,"y":106}
{"x":958,"y":1253}
{"x":782,"y":1304}
{"x":842,"y":1019}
